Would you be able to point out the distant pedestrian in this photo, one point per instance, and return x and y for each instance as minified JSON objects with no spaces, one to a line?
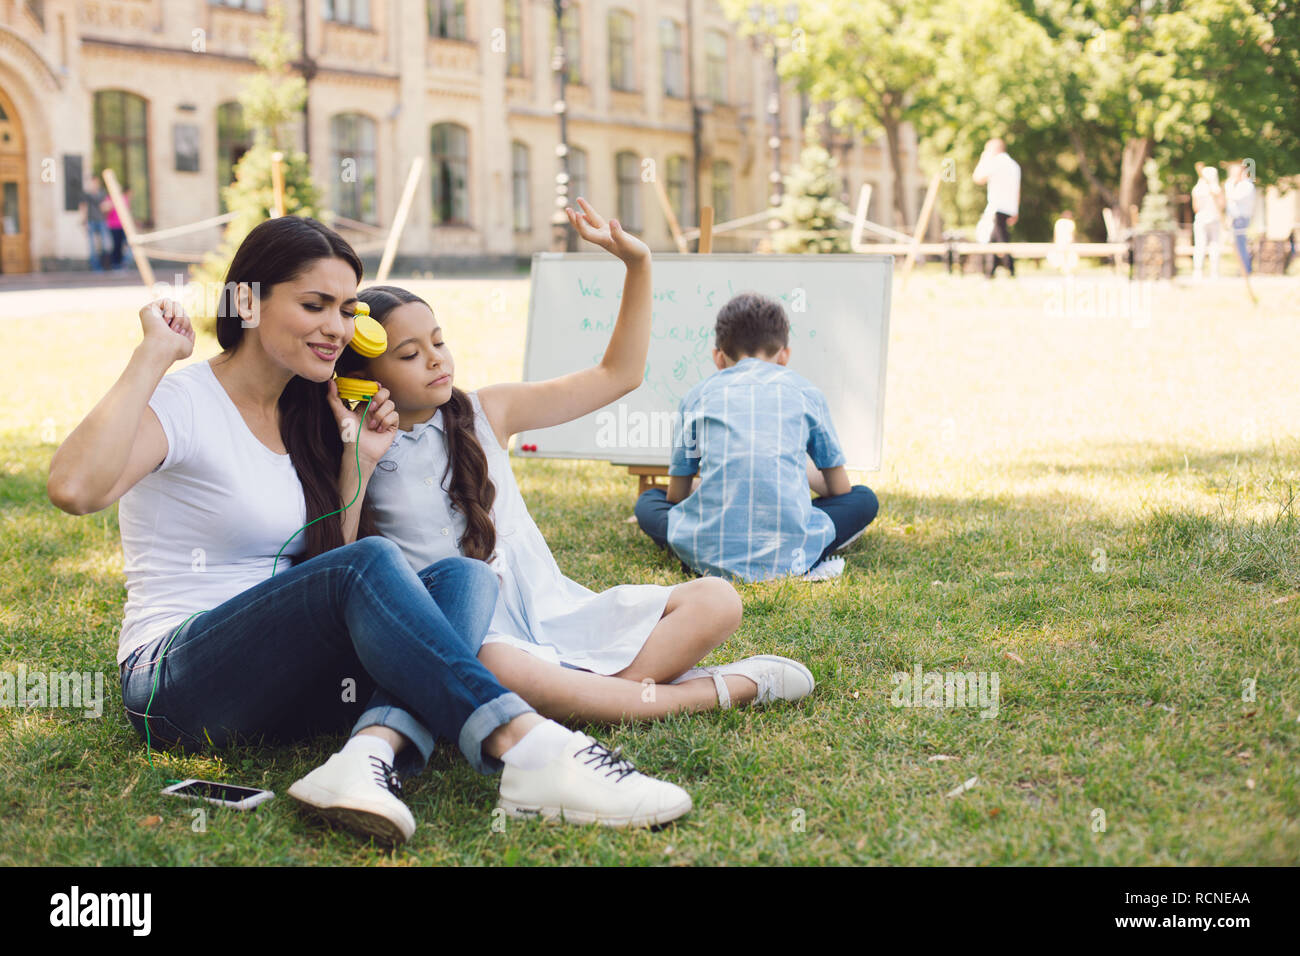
{"x":93,"y":219}
{"x":1240,"y":195}
{"x":1002,"y":174}
{"x":1207,"y":210}
{"x":114,"y":222}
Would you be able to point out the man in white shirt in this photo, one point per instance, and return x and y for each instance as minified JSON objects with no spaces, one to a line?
{"x":1002,"y":174}
{"x":1240,"y":194}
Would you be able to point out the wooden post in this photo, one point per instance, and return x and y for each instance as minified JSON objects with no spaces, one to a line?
{"x":399,"y":220}
{"x":859,"y":220}
{"x":673,"y":226}
{"x":922,"y":223}
{"x":277,"y":185}
{"x":706,"y":230}
{"x":128,"y":226}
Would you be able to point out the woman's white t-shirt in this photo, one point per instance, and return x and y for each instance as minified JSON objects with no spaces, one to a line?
{"x":207,"y":523}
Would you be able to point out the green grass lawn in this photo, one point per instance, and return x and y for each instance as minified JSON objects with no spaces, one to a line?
{"x":1100,"y":509}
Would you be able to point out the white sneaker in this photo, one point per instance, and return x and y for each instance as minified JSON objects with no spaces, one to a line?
{"x":828,"y":570}
{"x":588,"y":783}
{"x":778,"y":678}
{"x":359,"y":792}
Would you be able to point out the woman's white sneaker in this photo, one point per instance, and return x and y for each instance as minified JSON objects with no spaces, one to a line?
{"x":589,"y":783}
{"x":357,"y":791}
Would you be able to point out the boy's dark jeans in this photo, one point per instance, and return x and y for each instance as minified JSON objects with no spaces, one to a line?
{"x":850,"y":513}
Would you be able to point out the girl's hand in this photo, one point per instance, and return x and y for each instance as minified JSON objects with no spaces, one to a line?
{"x":608,"y":235}
{"x":376,"y":434}
{"x":167,"y":327}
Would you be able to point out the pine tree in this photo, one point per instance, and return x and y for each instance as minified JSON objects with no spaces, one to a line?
{"x":811,"y":204}
{"x":271,"y":100}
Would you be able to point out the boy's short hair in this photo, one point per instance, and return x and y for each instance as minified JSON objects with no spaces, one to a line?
{"x":751,"y":324}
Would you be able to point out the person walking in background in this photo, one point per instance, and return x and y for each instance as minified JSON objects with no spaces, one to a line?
{"x":92,"y":200}
{"x":1207,"y":210}
{"x":1240,"y":196}
{"x":1001,"y":173}
{"x":114,"y":223}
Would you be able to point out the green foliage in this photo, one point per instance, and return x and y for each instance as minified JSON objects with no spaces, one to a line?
{"x":810,"y":205}
{"x":271,"y":100}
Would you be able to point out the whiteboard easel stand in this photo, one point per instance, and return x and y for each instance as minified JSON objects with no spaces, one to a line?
{"x":647,"y":475}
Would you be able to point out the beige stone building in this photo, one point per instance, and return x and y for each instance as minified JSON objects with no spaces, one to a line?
{"x":149,"y":88}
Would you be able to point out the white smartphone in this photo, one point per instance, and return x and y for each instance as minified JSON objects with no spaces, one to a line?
{"x":222,"y":794}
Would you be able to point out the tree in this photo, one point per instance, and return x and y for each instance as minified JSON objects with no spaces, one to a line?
{"x":271,"y":100}
{"x":872,"y":59}
{"x":1173,"y":80}
{"x":810,"y":205}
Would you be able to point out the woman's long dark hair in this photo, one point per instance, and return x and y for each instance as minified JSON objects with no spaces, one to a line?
{"x":466,"y":478}
{"x":277,"y":251}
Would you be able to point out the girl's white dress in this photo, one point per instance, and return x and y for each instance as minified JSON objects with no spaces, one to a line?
{"x":539,"y":609}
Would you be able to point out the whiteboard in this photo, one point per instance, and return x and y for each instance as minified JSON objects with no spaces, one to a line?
{"x":838,"y":307}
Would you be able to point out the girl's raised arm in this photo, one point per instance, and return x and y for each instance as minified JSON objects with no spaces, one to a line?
{"x":121,"y":440}
{"x":513,"y":407}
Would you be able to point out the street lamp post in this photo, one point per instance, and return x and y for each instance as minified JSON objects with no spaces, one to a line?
{"x":765,"y":20}
{"x":562,"y":238}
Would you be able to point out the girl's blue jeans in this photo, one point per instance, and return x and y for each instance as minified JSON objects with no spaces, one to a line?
{"x":350,"y":638}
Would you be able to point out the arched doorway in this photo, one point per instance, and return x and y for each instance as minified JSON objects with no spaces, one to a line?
{"x":15,"y":248}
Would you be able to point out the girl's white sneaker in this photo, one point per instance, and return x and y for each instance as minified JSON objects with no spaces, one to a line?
{"x":589,"y":783}
{"x":357,"y":791}
{"x":778,"y":678}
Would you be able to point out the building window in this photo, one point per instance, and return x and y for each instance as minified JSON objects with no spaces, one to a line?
{"x":715,"y":51}
{"x":675,"y":186}
{"x":721,"y":191}
{"x":233,"y":140}
{"x":628,"y":165}
{"x":519,"y":176}
{"x":354,"y":13}
{"x":514,"y":37}
{"x":253,"y":6}
{"x":122,"y":144}
{"x":572,"y":42}
{"x":577,"y":175}
{"x":622,"y":57}
{"x":447,"y":19}
{"x":450,"y":175}
{"x":670,"y":45}
{"x":352,"y":138}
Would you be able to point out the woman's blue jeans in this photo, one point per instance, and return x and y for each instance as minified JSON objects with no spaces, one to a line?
{"x":350,"y":638}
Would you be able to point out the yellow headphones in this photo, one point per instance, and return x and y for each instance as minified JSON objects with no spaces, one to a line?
{"x":369,"y":340}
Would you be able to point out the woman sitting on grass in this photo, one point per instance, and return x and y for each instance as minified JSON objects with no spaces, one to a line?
{"x":219,"y":466}
{"x":446,"y":488}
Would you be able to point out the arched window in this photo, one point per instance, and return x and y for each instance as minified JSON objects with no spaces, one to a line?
{"x":233,"y":140}
{"x":352,"y":141}
{"x":722,"y":187}
{"x":715,"y":52}
{"x":521,"y":192}
{"x":446,"y":19}
{"x":675,"y":185}
{"x":122,"y":144}
{"x":572,"y":42}
{"x":673,"y":60}
{"x":628,"y":166}
{"x":450,"y":174}
{"x":577,"y":176}
{"x":622,"y":56}
{"x":514,"y":11}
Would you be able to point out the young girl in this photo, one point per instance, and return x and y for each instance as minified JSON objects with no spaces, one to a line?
{"x":446,"y":488}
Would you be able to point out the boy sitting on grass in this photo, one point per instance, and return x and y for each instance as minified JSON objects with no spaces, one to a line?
{"x":748,"y":431}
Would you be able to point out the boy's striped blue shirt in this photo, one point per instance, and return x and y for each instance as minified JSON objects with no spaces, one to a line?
{"x":747,"y":430}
